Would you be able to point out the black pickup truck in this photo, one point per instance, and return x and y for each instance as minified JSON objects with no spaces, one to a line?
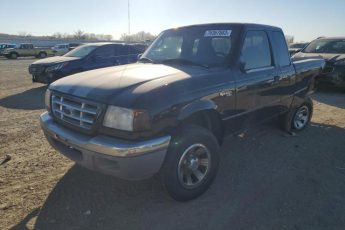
{"x":168,"y":113}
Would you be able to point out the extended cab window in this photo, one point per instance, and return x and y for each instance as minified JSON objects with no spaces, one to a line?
{"x":281,"y":50}
{"x":256,"y":52}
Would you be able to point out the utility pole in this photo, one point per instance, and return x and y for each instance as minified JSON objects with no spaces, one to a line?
{"x":129,"y":20}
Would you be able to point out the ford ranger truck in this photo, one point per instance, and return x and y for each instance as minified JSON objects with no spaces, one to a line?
{"x":27,"y":50}
{"x":167,"y":114}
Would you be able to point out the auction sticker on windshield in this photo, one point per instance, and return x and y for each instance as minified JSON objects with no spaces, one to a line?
{"x":217,"y":33}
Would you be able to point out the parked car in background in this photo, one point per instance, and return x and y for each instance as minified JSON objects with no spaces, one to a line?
{"x":83,"y":58}
{"x":296,"y":47}
{"x":74,"y":45}
{"x":140,"y":46}
{"x":60,"y":49}
{"x":27,"y":50}
{"x":4,"y":46}
{"x":169,"y":112}
{"x":333,"y":51}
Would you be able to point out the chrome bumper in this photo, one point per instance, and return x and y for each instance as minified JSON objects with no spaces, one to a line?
{"x":124,"y":159}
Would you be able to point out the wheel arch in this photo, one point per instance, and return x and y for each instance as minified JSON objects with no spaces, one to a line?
{"x":14,"y":52}
{"x":42,"y":52}
{"x":203,"y":113}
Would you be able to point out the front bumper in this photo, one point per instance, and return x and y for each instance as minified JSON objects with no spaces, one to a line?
{"x":128,"y":160}
{"x":39,"y":74}
{"x":43,"y":78}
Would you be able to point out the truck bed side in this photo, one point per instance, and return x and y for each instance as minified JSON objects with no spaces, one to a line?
{"x":306,"y":71}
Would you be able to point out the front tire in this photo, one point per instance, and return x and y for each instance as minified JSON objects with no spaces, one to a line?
{"x":191,"y":163}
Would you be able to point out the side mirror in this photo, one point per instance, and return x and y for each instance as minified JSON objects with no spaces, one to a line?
{"x":139,"y":56}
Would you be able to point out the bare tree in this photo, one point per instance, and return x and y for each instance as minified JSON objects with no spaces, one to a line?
{"x":24,"y":34}
{"x":289,"y":39}
{"x":58,"y":35}
{"x":138,"y":37}
{"x":79,"y":35}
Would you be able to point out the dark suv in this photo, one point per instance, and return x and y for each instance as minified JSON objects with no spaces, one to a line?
{"x":83,"y":58}
{"x":333,"y":51}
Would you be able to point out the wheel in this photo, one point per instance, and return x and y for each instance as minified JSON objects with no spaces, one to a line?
{"x":297,"y":119}
{"x":42,"y":55}
{"x":191,"y":163}
{"x":13,"y":55}
{"x":301,"y":118}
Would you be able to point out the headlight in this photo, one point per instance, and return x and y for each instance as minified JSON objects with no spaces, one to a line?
{"x":126,"y":119}
{"x":341,"y":62}
{"x":47,"y":97}
{"x":56,"y":67}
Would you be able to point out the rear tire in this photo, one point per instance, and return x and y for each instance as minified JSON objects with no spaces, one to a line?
{"x":13,"y":55}
{"x":42,"y":55}
{"x":191,"y":163}
{"x":298,"y":118}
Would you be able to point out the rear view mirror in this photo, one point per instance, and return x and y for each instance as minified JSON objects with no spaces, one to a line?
{"x":139,"y":56}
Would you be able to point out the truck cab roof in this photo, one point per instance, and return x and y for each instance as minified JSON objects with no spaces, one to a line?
{"x":238,"y":25}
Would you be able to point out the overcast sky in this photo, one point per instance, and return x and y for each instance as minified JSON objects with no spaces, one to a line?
{"x":304,"y":19}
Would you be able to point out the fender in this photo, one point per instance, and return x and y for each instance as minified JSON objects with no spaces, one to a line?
{"x":194,"y":107}
{"x":299,"y":99}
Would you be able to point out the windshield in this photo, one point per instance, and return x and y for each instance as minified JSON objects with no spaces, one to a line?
{"x":326,"y":46}
{"x":81,"y":51}
{"x":194,"y":46}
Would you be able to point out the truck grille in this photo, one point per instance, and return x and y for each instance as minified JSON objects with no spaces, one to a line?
{"x":75,"y":111}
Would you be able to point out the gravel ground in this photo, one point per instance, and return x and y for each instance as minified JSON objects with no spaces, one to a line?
{"x":267,"y":179}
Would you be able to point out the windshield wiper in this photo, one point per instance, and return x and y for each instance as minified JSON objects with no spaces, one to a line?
{"x":146,"y":60}
{"x":184,"y":61}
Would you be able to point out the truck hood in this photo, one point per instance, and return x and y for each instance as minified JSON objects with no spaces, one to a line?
{"x":54,"y":60}
{"x":328,"y":57}
{"x":103,"y":85}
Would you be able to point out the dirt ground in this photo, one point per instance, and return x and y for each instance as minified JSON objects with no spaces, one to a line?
{"x":267,"y":179}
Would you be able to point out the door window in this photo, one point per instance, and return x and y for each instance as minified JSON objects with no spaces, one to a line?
{"x":256,"y":52}
{"x":104,"y":52}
